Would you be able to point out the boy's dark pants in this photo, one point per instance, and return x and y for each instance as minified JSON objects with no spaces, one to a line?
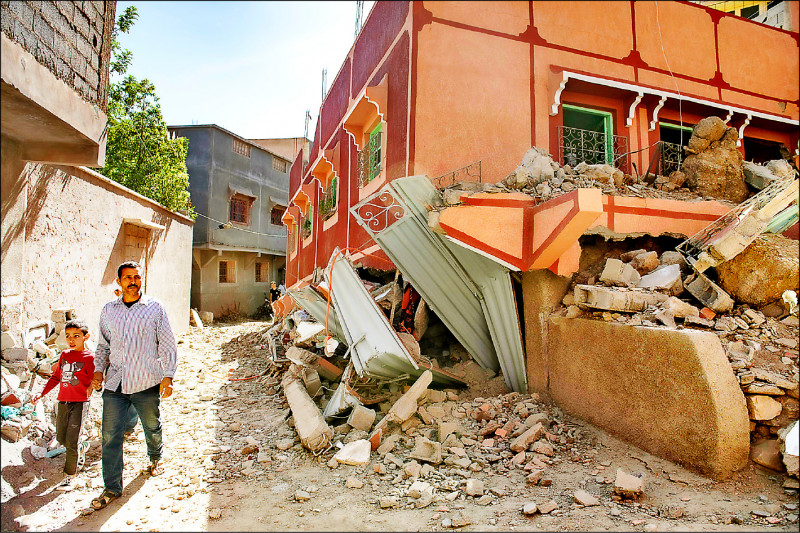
{"x":69,"y":423}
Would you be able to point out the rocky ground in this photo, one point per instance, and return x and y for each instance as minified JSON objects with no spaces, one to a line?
{"x":228,"y":400}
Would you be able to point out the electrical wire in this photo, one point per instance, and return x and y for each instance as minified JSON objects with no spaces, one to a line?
{"x":664,"y":54}
{"x":240,"y":229}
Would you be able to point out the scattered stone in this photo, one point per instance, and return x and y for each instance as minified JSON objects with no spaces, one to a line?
{"x":388,"y":502}
{"x":531,"y":435}
{"x":584,"y":498}
{"x":529,"y":509}
{"x":361,"y":418}
{"x":763,"y":407}
{"x":355,"y":453}
{"x":474,"y":487}
{"x":627,"y":485}
{"x":547,"y":507}
{"x":353,"y":483}
{"x":302,"y":496}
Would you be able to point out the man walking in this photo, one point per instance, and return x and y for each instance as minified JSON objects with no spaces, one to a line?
{"x":137,"y":357}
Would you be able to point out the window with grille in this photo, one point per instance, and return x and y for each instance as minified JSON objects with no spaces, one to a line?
{"x":370,"y":157}
{"x":327,"y":206}
{"x":276,"y":214}
{"x":241,"y":148}
{"x":587,"y":135}
{"x":307,"y":221}
{"x":238,"y":212}
{"x":261,"y":272}
{"x":279,"y":164}
{"x":227,"y":272}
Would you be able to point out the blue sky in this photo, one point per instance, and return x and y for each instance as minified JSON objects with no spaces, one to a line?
{"x":251,"y":67}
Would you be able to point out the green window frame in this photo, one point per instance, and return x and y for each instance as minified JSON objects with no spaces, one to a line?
{"x":607,"y":126}
{"x":375,"y":147}
{"x":328,"y":203}
{"x":684,"y":130}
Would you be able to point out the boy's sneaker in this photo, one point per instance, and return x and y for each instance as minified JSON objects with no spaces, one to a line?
{"x":83,"y":447}
{"x":67,"y":484}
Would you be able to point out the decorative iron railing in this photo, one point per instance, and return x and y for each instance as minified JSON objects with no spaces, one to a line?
{"x":471,"y":173}
{"x":671,"y":158}
{"x":369,"y":160}
{"x":576,"y":145}
{"x":306,"y":224}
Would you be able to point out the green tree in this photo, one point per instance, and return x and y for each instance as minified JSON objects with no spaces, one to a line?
{"x":139,"y":153}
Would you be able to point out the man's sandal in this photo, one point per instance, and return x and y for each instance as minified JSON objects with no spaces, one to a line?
{"x":104,"y":499}
{"x":155,"y":468}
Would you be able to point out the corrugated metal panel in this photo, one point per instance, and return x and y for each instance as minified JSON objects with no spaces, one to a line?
{"x":401,"y":230}
{"x":375,"y":347}
{"x":312,"y":301}
{"x":492,"y":279}
{"x":472,"y":294}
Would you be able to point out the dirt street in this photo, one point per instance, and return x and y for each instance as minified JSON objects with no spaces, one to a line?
{"x":219,"y":408}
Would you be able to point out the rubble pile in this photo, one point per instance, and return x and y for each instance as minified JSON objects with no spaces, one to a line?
{"x":641,"y":288}
{"x":713,"y":166}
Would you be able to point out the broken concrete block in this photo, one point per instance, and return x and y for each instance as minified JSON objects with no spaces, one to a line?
{"x":355,"y":453}
{"x":412,"y":469}
{"x":627,"y":485}
{"x":547,"y":507}
{"x":402,"y":408}
{"x":302,"y":496}
{"x":790,"y":448}
{"x":529,"y":509}
{"x":757,"y":176}
{"x":767,"y":453}
{"x":644,"y":263}
{"x":584,"y":498}
{"x":697,"y":321}
{"x":311,"y":381}
{"x":674,"y":258}
{"x":762,"y":407}
{"x":353,"y":483}
{"x":7,"y":340}
{"x":446,"y":429}
{"x":388,"y":502}
{"x":427,"y":450}
{"x":531,"y":435}
{"x":534,"y":477}
{"x":412,"y":422}
{"x":666,"y":317}
{"x":662,"y":279}
{"x":775,"y":379}
{"x":626,"y":257}
{"x":15,"y":354}
{"x":710,"y":294}
{"x":679,"y":308}
{"x":388,"y":444}
{"x":474,"y":487}
{"x":418,"y":488}
{"x":423,"y":413}
{"x":207,"y":317}
{"x":613,"y":299}
{"x":195,"y":319}
{"x":314,"y":432}
{"x":618,"y":273}
{"x":361,"y":418}
{"x":544,"y":448}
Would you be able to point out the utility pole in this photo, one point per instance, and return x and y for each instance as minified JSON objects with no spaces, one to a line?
{"x":359,"y":17}
{"x":308,"y":118}
{"x":324,"y":81}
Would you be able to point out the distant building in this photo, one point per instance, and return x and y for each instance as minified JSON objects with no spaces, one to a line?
{"x":776,"y":13}
{"x":239,"y":190}
{"x":287,"y":148}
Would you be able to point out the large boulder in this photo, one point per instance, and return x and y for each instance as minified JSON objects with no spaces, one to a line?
{"x":714,"y":167}
{"x":761,"y":273}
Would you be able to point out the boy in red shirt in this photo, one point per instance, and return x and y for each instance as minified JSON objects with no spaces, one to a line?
{"x":74,"y":371}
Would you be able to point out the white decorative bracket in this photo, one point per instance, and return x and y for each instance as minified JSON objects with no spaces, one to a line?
{"x":729,"y":117}
{"x":557,"y":97}
{"x":655,"y":113}
{"x":632,"y":109}
{"x":741,"y":130}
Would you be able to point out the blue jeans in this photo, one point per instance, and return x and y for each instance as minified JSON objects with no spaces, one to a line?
{"x":117,"y":419}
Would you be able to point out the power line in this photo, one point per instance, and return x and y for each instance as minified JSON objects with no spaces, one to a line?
{"x":234,"y":227}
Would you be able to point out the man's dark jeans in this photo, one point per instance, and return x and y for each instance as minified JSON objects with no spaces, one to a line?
{"x":116,"y":419}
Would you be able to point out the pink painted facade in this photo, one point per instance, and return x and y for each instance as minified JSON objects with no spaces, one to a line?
{"x":451,"y":83}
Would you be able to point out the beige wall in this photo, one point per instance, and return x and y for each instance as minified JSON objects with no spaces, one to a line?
{"x":208,"y":294}
{"x":74,"y":239}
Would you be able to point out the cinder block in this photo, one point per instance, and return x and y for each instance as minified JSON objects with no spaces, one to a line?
{"x":361,"y":418}
{"x":612,"y":299}
{"x":618,"y":273}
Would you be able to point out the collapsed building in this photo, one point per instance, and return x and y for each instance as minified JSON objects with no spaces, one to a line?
{"x":528,"y":268}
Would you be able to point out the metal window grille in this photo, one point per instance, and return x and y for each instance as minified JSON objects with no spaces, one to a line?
{"x":369,"y":160}
{"x":260,"y":271}
{"x":576,"y":145}
{"x":240,"y":148}
{"x":671,"y":158}
{"x":226,"y":272}
{"x":276,"y":214}
{"x":327,"y":206}
{"x":307,"y":222}
{"x":293,"y":239}
{"x":468,"y":173}
{"x":238,"y":211}
{"x":279,"y":164}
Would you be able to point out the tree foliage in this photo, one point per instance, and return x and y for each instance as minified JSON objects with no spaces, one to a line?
{"x":139,"y":153}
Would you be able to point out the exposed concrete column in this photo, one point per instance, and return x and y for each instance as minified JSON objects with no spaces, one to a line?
{"x":542,"y":292}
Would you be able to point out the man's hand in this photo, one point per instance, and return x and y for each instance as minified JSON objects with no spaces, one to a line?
{"x":35,"y":399}
{"x":165,"y":389}
{"x":97,"y":381}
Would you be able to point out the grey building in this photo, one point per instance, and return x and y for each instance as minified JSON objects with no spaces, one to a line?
{"x":240,"y":191}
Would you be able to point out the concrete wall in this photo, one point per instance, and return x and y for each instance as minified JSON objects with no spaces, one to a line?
{"x":74,"y":239}
{"x":670,"y":392}
{"x":69,"y":38}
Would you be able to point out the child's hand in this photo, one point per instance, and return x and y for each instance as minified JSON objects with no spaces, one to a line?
{"x":35,"y":399}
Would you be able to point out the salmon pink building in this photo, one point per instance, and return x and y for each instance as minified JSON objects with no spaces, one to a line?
{"x":432,"y":87}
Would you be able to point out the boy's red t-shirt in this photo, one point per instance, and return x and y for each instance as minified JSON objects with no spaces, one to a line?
{"x":75,"y":371}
